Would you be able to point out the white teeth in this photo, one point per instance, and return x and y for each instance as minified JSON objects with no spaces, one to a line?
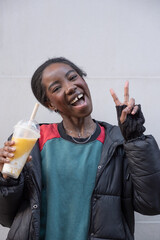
{"x":80,"y":96}
{"x":74,"y":100}
{"x":77,"y":98}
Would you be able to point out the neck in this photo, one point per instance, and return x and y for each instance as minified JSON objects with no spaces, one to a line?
{"x":79,"y":128}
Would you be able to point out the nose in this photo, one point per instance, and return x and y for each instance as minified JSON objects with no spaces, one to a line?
{"x":70,"y":89}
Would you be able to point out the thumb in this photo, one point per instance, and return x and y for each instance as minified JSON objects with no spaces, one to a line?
{"x":29,"y":158}
{"x":124,"y":115}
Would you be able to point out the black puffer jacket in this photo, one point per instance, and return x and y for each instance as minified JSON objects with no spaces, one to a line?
{"x":128,"y":179}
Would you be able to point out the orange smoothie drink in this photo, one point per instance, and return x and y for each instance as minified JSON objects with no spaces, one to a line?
{"x":25,"y":136}
{"x":23,"y":148}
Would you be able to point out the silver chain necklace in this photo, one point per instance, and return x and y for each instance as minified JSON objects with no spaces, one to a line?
{"x":87,"y":140}
{"x":79,"y":142}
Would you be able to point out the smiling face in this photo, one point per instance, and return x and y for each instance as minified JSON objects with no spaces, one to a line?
{"x":67,"y":91}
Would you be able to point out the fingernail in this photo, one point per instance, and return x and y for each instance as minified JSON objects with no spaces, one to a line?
{"x":133,"y":112}
{"x":11,"y":154}
{"x":13,"y":148}
{"x":5,"y":176}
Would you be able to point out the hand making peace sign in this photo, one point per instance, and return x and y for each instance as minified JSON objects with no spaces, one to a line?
{"x":130,"y":117}
{"x":130,"y":108}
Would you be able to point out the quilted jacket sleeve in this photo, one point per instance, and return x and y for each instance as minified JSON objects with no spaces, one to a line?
{"x":144,"y":163}
{"x":10,"y":196}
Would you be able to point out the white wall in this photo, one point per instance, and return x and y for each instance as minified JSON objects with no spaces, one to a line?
{"x":112,"y":40}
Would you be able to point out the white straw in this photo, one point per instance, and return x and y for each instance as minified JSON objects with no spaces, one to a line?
{"x":34,"y":112}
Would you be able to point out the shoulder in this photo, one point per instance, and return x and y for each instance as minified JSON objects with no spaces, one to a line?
{"x":47,"y":127}
{"x":112,"y":131}
{"x":48,"y":131}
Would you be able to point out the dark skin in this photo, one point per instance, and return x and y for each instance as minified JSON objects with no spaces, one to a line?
{"x":63,"y":88}
{"x":69,"y":94}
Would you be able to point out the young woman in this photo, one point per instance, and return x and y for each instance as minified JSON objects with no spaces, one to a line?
{"x":85,"y":179}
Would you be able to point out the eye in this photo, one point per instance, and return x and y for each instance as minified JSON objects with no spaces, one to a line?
{"x":55,"y":89}
{"x":73,"y":77}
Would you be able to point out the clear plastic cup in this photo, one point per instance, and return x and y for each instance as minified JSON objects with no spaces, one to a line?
{"x":25,"y":136}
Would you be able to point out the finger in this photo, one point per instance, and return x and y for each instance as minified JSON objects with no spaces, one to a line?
{"x":4,"y":160}
{"x":131,"y":105}
{"x":127,"y":110}
{"x":126,"y":93}
{"x":8,"y":152}
{"x":9,"y":149}
{"x":115,"y":98}
{"x":135,"y":110}
{"x":29,"y":158}
{"x":124,"y":115}
{"x":9,"y":143}
{"x":5,"y":154}
{"x":5,"y":176}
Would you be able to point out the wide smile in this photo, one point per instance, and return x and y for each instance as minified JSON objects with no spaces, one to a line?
{"x":78,"y":100}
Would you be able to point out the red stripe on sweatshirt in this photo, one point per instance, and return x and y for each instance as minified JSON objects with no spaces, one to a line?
{"x":48,"y":132}
{"x":101,"y":136}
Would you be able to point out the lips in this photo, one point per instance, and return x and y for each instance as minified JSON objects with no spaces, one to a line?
{"x":77,"y":100}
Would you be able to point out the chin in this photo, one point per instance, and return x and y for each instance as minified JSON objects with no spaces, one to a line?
{"x":85,"y":113}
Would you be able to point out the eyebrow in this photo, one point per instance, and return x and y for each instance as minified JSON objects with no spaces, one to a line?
{"x":70,"y":71}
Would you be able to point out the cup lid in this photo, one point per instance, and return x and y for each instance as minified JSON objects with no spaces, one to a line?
{"x":31,"y":125}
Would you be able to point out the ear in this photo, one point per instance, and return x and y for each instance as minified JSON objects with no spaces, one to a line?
{"x":51,"y":106}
